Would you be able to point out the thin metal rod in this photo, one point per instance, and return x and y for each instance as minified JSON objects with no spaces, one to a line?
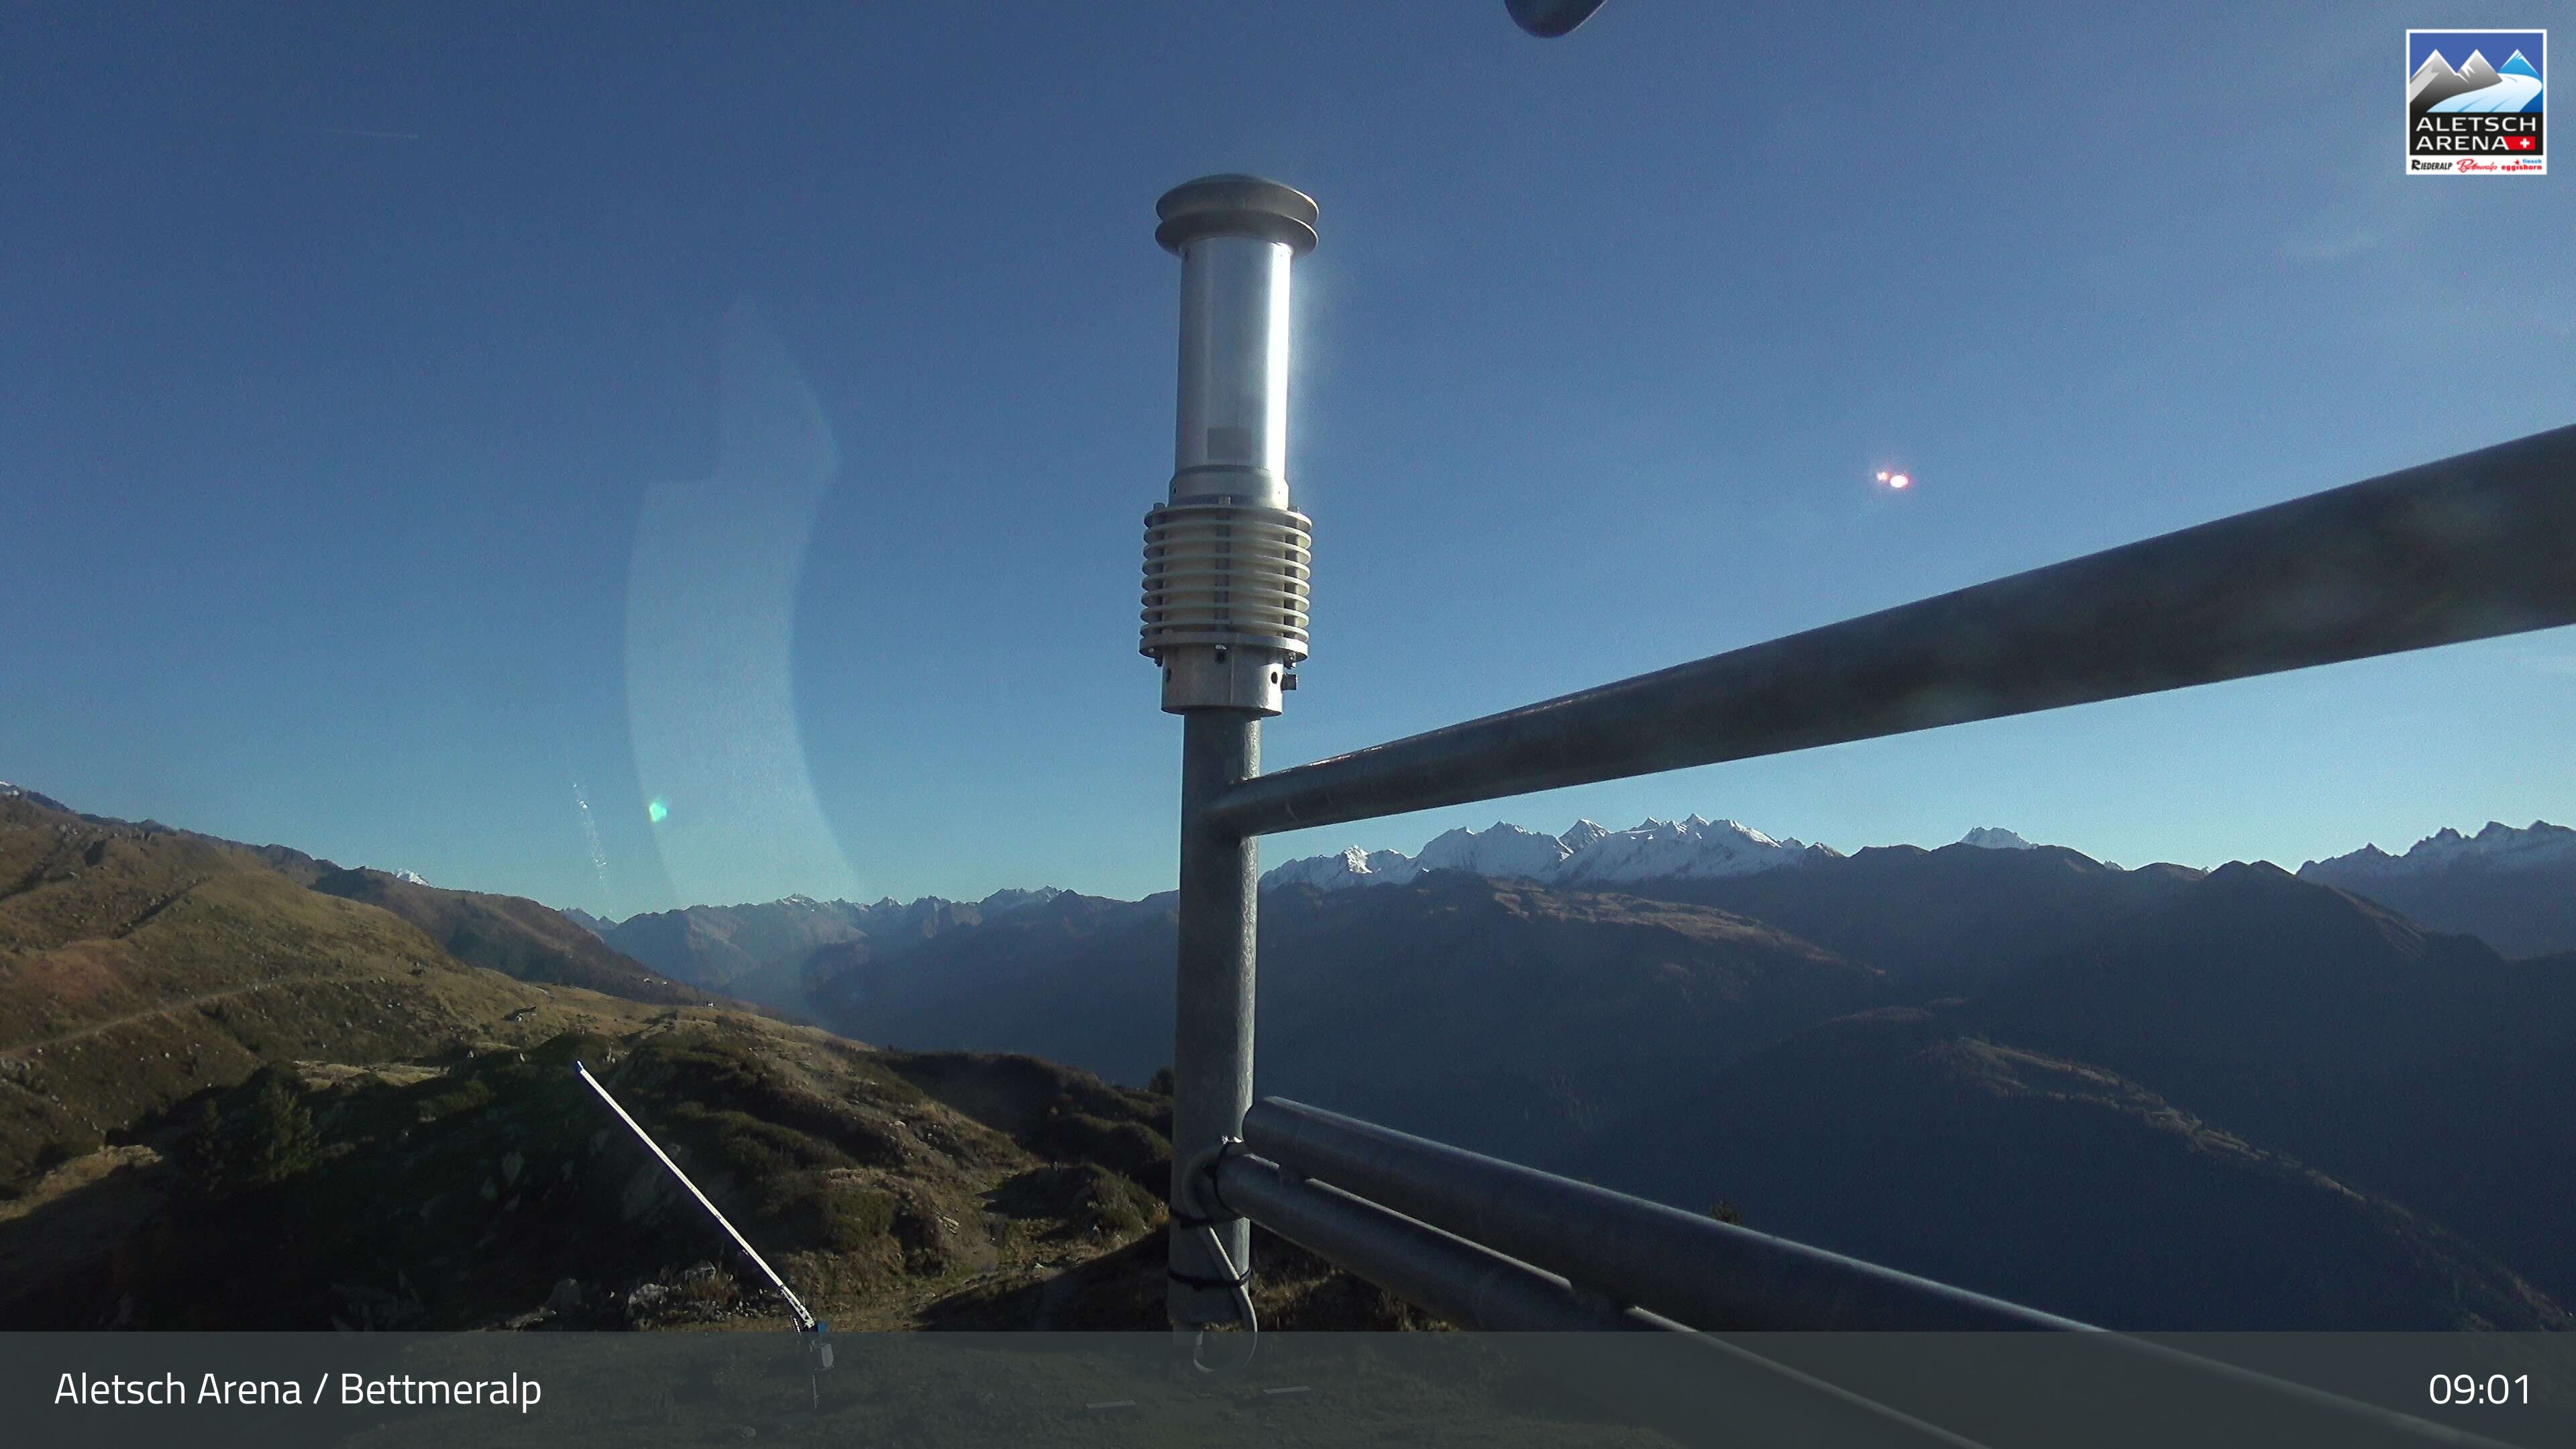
{"x":1689,"y":1268}
{"x":1212,"y":994}
{"x":2470,"y":547}
{"x":804,"y":1320}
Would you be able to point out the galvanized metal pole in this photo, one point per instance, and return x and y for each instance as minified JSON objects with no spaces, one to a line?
{"x":1225,"y":616}
{"x":1212,"y":1016}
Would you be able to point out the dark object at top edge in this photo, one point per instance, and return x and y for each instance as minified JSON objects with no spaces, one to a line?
{"x":1548,"y":19}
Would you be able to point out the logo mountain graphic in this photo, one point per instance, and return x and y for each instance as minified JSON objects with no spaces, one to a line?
{"x":2476,"y":86}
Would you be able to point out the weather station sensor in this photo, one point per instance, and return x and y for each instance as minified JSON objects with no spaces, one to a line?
{"x":1226,"y":558}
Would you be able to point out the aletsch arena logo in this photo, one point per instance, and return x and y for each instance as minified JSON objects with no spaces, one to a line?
{"x":2474,"y":102}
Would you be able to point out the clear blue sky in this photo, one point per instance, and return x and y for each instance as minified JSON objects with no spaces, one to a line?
{"x":327,"y":459}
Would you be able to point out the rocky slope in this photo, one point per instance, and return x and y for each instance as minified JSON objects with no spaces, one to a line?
{"x":488,"y":1187}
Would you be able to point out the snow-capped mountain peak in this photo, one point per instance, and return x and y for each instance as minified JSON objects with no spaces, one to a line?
{"x":1500,"y":849}
{"x":1995,"y":837}
{"x":1352,"y":867}
{"x":2499,"y":846}
{"x":1584,"y":833}
{"x":1586,"y":854}
{"x":1694,"y":849}
{"x":1011,"y":899}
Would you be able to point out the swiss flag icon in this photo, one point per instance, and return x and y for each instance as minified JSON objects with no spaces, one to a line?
{"x":2522,"y":143}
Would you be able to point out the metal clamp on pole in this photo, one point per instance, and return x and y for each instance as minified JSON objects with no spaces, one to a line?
{"x":1199,"y":1206}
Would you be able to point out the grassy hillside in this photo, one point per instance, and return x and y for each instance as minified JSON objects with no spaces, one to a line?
{"x":491,"y":1189}
{"x":232,"y":1099}
{"x":511,"y":934}
{"x":460,"y":1191}
{"x":139,"y":966}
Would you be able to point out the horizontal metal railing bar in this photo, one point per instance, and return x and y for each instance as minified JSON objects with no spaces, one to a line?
{"x":1685,"y":1267}
{"x":1463,"y":1283}
{"x":2470,"y":547}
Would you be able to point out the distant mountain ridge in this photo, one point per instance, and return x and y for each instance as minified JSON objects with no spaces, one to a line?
{"x":1588,"y":854}
{"x":761,"y":951}
{"x":2513,"y":889}
{"x":2538,"y":846}
{"x":758,"y":951}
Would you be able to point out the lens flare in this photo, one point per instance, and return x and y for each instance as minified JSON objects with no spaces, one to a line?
{"x":590,"y":832}
{"x":1898,"y":480}
{"x":658,"y":811}
{"x":711,"y":590}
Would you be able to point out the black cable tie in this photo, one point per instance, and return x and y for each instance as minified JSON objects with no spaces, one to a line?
{"x":1215,"y":1193}
{"x":1194,"y":1280}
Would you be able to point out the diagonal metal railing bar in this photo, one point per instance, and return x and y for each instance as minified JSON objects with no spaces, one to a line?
{"x":1464,"y":1282}
{"x":1684,"y":1266}
{"x":2470,"y":547}
{"x":1492,"y":1244}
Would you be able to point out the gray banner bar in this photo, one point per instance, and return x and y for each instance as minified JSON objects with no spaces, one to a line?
{"x":559,"y":1390}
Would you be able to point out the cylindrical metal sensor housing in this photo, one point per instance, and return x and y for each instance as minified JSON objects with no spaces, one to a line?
{"x":1226,"y":559}
{"x":1233,"y":433}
